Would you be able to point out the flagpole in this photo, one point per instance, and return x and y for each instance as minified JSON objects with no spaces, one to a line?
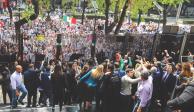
{"x":93,"y":48}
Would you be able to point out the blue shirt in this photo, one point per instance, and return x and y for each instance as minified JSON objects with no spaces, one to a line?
{"x":88,"y":79}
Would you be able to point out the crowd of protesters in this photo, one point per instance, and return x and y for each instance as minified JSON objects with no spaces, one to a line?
{"x":131,"y":83}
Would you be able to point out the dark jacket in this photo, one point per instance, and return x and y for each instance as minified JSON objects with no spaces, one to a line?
{"x":168,"y":85}
{"x":111,"y":93}
{"x":31,"y":79}
{"x":71,"y":82}
{"x":6,"y":77}
{"x":185,"y":101}
{"x":46,"y":80}
{"x":58,"y":87}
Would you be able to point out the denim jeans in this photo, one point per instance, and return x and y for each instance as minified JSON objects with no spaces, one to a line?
{"x":14,"y":98}
{"x":22,"y":89}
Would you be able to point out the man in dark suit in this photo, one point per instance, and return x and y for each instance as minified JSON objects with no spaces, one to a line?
{"x":167,"y":85}
{"x":185,"y":101}
{"x":31,"y":81}
{"x":5,"y":83}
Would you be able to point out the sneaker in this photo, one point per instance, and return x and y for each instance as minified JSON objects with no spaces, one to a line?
{"x":53,"y":109}
{"x":20,"y":102}
{"x":13,"y":107}
{"x":34,"y":105}
{"x":28,"y":106}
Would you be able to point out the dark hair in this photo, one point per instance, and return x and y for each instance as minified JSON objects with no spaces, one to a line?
{"x":173,"y":67}
{"x":57,"y":71}
{"x":90,"y":62}
{"x":116,"y":65}
{"x":70,"y":64}
{"x":51,"y":61}
{"x":110,"y":67}
{"x":128,"y":70}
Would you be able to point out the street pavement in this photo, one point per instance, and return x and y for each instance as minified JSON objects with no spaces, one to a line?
{"x":22,"y":108}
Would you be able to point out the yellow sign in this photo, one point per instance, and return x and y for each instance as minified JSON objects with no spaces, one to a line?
{"x":40,"y":38}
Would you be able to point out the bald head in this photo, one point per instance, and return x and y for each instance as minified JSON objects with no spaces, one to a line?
{"x":18,"y":68}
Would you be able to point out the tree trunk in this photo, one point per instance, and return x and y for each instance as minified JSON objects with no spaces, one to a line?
{"x":139,"y":18}
{"x":122,"y":17}
{"x":164,"y":16}
{"x":107,"y":7}
{"x":83,"y":11}
{"x":23,"y":21}
{"x":116,"y":19}
{"x":9,"y":9}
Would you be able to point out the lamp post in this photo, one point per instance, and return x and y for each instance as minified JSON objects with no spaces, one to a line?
{"x":20,"y":36}
{"x":93,"y":46}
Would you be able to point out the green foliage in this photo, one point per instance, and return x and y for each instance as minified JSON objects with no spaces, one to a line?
{"x":140,"y":5}
{"x":101,"y":5}
{"x":75,"y":4}
{"x":114,"y":2}
{"x":121,"y":3}
{"x":44,"y":5}
{"x":28,"y":11}
{"x":145,"y":5}
{"x":171,"y":2}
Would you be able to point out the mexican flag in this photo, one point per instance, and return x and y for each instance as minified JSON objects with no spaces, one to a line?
{"x":66,"y":19}
{"x":2,"y":24}
{"x":69,"y":20}
{"x":73,"y":21}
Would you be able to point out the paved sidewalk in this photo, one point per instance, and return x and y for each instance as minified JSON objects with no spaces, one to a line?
{"x":22,"y":108}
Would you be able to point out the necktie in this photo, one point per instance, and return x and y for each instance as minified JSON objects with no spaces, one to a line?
{"x":165,"y":77}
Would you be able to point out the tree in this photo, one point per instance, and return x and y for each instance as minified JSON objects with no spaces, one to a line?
{"x":23,"y":21}
{"x":108,"y":8}
{"x":122,"y":17}
{"x":134,"y":6}
{"x":167,"y":4}
{"x":138,"y":7}
{"x":9,"y":10}
{"x":83,"y":11}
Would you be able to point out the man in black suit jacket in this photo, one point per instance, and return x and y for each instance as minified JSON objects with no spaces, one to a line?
{"x":185,"y":101}
{"x":167,"y":85}
{"x":31,"y":81}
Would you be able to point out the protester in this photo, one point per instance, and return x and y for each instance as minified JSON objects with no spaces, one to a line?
{"x":185,"y":101}
{"x":17,"y":86}
{"x":109,"y":79}
{"x":46,"y":88}
{"x":58,"y":85}
{"x":167,"y":85}
{"x":126,"y":86}
{"x":31,"y":81}
{"x":90,"y":80}
{"x":144,"y":93}
{"x":5,"y":84}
